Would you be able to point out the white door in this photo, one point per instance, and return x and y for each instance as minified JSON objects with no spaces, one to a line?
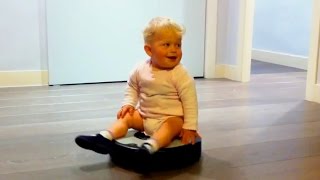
{"x":101,"y":40}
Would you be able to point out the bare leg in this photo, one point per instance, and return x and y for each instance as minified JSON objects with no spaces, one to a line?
{"x":168,"y":130}
{"x":121,"y":126}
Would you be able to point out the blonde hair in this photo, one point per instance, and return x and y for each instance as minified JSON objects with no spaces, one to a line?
{"x":159,"y":23}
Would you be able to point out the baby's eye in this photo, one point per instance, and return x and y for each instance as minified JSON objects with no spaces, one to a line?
{"x":178,"y":45}
{"x":166,"y":44}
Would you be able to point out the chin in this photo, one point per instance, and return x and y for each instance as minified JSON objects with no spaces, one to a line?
{"x":171,"y":67}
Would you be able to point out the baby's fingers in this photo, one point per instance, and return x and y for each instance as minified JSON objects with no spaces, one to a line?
{"x":181,"y":135}
{"x":185,"y":140}
{"x":119,"y":114}
{"x":122,"y":113}
{"x":191,"y":140}
{"x":131,"y":111}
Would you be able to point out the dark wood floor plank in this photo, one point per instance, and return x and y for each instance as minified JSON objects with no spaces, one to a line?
{"x":260,"y":153}
{"x":57,"y":116}
{"x":226,"y":138}
{"x":60,"y":88}
{"x":222,"y":121}
{"x":43,"y":109}
{"x":235,"y":95}
{"x":62,"y":92}
{"x":58,"y":100}
{"x":263,"y":129}
{"x":258,"y":67}
{"x":53,"y":128}
{"x":296,"y":169}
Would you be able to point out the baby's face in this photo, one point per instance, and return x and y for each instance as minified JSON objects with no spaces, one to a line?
{"x":165,"y":50}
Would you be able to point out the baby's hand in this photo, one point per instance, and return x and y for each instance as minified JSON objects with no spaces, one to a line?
{"x":124,"y":110}
{"x":188,"y":136}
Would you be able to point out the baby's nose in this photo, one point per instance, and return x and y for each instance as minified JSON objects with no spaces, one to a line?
{"x":173,"y":48}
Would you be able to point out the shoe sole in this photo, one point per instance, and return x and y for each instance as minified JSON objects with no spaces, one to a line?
{"x":89,"y":146}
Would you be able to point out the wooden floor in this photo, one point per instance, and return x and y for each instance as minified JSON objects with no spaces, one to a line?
{"x":258,"y":130}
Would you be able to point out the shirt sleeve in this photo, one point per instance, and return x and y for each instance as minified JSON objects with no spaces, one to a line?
{"x":132,"y":90}
{"x":187,"y":93}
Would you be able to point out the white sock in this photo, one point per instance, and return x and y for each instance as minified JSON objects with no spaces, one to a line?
{"x":106,"y":134}
{"x":151,"y":145}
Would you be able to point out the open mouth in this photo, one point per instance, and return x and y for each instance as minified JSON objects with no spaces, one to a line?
{"x":172,"y":57}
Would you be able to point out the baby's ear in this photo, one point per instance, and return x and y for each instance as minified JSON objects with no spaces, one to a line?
{"x":147,"y":49}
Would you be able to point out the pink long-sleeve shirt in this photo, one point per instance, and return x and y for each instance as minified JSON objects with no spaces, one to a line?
{"x":163,"y":93}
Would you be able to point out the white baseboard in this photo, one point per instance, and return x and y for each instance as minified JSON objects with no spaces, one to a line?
{"x":290,"y":60}
{"x":228,"y":72}
{"x":23,"y":78}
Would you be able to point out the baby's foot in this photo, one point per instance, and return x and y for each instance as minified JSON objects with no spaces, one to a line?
{"x":144,"y":150}
{"x":96,"y":143}
{"x":144,"y":157}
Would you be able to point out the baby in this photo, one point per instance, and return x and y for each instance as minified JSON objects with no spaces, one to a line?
{"x":160,"y":97}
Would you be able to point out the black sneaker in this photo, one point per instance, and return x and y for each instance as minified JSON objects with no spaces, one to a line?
{"x":96,"y":143}
{"x":144,"y":158}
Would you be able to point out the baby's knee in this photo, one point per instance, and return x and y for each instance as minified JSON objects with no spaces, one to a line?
{"x":133,"y":121}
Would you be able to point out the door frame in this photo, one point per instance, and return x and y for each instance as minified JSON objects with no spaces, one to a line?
{"x":312,"y":87}
{"x":210,"y":39}
{"x":245,"y":39}
{"x":240,"y":71}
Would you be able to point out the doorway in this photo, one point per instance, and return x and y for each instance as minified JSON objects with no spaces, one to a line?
{"x":281,"y":38}
{"x":247,"y":14}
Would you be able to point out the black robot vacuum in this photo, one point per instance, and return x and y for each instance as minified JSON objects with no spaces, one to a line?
{"x":174,"y":156}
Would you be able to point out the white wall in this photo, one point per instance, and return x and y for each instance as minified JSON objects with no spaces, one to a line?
{"x":98,"y":37}
{"x":283,"y":26}
{"x":281,"y":32}
{"x":23,"y":42}
{"x":23,"y":52}
{"x":20,"y":36}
